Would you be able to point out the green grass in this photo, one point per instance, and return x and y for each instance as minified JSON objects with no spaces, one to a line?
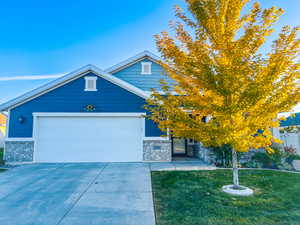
{"x":195,"y":198}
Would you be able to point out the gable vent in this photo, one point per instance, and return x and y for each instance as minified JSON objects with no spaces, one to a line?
{"x":90,"y":83}
{"x":146,"y":68}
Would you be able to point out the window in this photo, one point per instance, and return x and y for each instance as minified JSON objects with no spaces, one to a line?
{"x":192,"y":141}
{"x":90,"y":84}
{"x":146,"y":67}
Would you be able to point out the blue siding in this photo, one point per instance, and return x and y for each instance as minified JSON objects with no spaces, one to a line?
{"x":71,"y":97}
{"x":291,"y":121}
{"x":132,"y":75}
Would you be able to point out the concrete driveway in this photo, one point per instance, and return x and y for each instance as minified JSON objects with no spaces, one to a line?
{"x":77,"y":194}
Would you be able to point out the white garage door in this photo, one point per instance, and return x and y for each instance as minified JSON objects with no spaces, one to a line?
{"x":88,"y":139}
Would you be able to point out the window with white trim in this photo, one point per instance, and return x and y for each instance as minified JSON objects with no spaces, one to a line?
{"x":90,"y":83}
{"x":146,"y":68}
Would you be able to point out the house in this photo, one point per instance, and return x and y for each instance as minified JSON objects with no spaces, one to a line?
{"x":91,"y":115}
{"x":291,"y":121}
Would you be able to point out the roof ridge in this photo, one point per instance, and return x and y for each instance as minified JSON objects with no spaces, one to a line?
{"x":131,"y":60}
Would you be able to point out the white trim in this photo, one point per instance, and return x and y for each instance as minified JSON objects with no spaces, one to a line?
{"x":143,"y":64}
{"x":87,"y":114}
{"x":7,"y":124}
{"x":160,"y":92}
{"x":143,"y":120}
{"x":132,"y":60}
{"x":19,"y":139}
{"x":34,"y":135}
{"x":156,"y":139}
{"x":89,"y":78}
{"x":68,"y":78}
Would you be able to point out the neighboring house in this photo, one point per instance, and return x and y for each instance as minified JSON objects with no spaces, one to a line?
{"x":291,"y":138}
{"x":291,"y":121}
{"x":91,"y":115}
{"x":2,"y":129}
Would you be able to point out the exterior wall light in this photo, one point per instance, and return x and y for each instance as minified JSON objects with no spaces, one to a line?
{"x":21,"y":119}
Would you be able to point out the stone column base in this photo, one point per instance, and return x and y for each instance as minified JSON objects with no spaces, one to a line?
{"x":18,"y":151}
{"x":22,"y":151}
{"x":157,"y":150}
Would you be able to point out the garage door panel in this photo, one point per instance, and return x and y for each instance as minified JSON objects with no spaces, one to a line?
{"x":88,"y":139}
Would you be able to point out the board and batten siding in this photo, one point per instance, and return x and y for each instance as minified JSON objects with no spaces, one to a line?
{"x":71,"y":97}
{"x":133,"y":75}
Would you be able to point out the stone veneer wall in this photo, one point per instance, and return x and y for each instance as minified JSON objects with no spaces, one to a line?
{"x":18,"y":151}
{"x":204,"y":154}
{"x":157,"y":150}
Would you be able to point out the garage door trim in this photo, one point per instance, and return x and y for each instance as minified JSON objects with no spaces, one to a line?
{"x":49,"y":114}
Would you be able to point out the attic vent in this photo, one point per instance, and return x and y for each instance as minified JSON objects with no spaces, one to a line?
{"x":90,"y":83}
{"x":146,"y":67}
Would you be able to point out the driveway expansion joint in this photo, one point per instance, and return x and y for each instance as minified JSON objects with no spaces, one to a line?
{"x":80,"y":196}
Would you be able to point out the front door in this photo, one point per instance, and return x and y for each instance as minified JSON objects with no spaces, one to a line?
{"x":179,"y":146}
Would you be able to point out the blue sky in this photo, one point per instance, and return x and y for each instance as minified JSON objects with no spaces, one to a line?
{"x":52,"y":37}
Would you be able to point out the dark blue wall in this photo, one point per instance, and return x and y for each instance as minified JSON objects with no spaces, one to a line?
{"x":71,"y":97}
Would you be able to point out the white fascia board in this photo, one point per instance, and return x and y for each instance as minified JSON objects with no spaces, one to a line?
{"x":87,"y":114}
{"x":160,"y":92}
{"x":156,"y":138}
{"x":19,"y":139}
{"x":132,"y":60}
{"x":68,"y":78}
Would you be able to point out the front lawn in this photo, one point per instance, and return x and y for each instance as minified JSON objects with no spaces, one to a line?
{"x":195,"y":198}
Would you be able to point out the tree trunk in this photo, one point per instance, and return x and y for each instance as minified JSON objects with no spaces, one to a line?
{"x":235,"y":169}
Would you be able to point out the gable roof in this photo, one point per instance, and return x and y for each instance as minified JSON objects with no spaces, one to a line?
{"x":132,"y":60}
{"x":67,"y":78}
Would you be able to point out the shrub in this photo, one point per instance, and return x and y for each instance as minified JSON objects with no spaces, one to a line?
{"x":290,"y":150}
{"x":292,"y":157}
{"x":222,"y":155}
{"x":252,"y":164}
{"x":265,"y":160}
{"x":281,"y":158}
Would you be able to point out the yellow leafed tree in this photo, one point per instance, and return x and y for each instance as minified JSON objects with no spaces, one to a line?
{"x":214,"y":58}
